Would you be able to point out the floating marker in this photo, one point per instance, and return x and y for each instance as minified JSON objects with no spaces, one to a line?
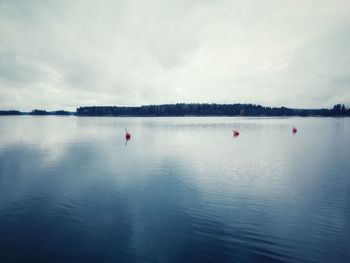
{"x":127,"y":135}
{"x":235,"y":132}
{"x":294,"y":130}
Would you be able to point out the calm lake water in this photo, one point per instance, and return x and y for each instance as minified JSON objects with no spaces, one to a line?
{"x":181,"y":190}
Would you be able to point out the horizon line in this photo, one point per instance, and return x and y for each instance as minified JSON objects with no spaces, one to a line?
{"x":167,"y":104}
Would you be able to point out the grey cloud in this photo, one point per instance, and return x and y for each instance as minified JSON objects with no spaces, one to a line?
{"x":63,"y":54}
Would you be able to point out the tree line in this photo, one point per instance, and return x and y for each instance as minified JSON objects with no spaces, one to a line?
{"x":36,"y":112}
{"x":206,"y":109}
{"x":190,"y":109}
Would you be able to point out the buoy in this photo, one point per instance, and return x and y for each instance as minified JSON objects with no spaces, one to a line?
{"x":294,"y":130}
{"x":235,"y":132}
{"x":127,"y":135}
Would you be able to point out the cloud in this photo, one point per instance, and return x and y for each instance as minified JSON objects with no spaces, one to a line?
{"x":64,"y":54}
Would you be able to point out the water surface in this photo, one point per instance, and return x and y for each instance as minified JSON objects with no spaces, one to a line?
{"x":181,"y":190}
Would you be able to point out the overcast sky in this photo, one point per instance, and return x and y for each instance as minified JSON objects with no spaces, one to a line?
{"x":63,"y":54}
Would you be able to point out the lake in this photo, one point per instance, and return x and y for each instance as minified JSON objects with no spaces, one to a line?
{"x":180,"y":190}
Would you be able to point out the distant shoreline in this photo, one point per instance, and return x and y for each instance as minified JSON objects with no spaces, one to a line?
{"x":189,"y":110}
{"x":184,"y":116}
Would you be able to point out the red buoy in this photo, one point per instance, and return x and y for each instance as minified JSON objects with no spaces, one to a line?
{"x":127,"y":135}
{"x":294,"y":130}
{"x":235,"y":132}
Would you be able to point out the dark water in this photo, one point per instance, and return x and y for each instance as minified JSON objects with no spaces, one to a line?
{"x":181,"y":190}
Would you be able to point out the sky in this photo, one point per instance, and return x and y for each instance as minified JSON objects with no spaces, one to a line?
{"x":64,"y":54}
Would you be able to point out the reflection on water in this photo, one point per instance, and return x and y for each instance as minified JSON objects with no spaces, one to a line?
{"x":181,"y":190}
